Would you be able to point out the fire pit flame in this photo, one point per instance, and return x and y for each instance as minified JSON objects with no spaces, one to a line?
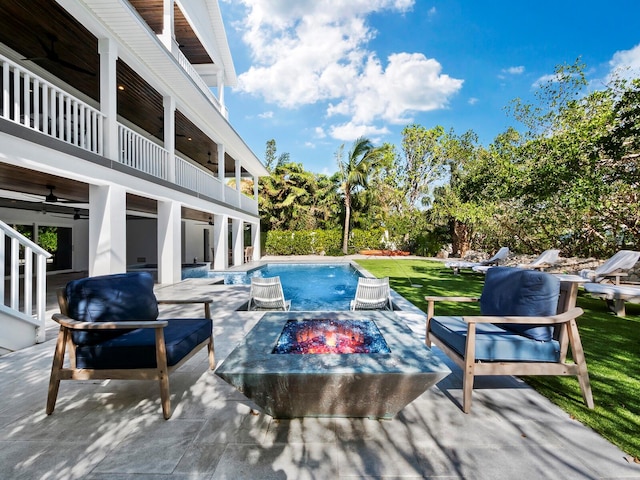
{"x":321,"y":336}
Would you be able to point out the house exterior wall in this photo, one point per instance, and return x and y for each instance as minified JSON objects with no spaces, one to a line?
{"x":64,"y":136}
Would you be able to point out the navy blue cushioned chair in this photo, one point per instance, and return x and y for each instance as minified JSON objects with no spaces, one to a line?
{"x":525,"y":327}
{"x":110,"y":327}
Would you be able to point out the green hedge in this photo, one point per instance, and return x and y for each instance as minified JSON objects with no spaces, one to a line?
{"x":320,"y":242}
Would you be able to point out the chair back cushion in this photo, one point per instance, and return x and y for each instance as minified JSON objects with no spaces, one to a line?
{"x":110,"y":298}
{"x":510,"y":291}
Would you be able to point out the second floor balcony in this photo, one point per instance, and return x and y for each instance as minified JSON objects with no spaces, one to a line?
{"x":153,"y":129}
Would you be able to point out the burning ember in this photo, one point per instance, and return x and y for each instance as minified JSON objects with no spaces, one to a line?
{"x":331,"y":336}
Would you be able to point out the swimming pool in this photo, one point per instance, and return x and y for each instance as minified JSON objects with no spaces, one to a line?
{"x":310,"y":287}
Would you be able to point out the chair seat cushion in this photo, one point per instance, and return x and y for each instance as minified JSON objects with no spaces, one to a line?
{"x":493,"y":343}
{"x":510,"y":291}
{"x":136,"y":348}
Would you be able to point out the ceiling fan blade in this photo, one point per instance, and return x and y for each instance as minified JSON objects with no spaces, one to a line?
{"x":75,"y":67}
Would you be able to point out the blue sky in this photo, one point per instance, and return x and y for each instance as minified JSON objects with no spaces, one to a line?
{"x":316,"y":74}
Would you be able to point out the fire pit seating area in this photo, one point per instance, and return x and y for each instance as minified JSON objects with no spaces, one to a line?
{"x":110,"y":327}
{"x":525,"y":327}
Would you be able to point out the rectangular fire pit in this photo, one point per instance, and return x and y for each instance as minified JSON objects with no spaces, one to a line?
{"x":311,"y":383}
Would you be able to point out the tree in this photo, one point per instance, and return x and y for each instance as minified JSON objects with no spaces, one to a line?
{"x":354,"y":175}
{"x":423,"y":161}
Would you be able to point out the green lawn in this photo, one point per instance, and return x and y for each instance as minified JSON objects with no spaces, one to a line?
{"x":611,"y":347}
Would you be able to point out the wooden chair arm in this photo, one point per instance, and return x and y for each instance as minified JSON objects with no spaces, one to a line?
{"x":431,"y":304}
{"x":551,"y":320}
{"x":451,"y":299}
{"x":77,"y":325}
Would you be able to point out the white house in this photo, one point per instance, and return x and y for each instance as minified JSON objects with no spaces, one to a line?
{"x":114,"y":130}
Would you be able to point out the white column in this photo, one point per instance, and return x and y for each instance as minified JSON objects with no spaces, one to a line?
{"x":255,"y":241}
{"x":221,"y":168}
{"x":220,"y":78}
{"x":107,"y":230}
{"x":256,"y":181}
{"x":169,"y":104}
{"x":108,"y":50}
{"x":169,"y":247}
{"x":168,"y":30}
{"x":237,"y":238}
{"x":220,"y":243}
{"x":238,"y":182}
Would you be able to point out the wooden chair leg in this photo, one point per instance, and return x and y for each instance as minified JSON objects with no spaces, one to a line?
{"x":212,"y":355}
{"x":56,"y":367}
{"x":581,"y":362}
{"x":469,"y":368}
{"x":163,"y":374}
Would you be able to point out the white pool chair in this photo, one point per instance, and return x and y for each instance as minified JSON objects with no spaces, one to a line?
{"x":548,"y":258}
{"x":614,"y":295}
{"x":615,"y":267}
{"x":267,"y":294}
{"x":372,"y":294}
{"x":500,"y":255}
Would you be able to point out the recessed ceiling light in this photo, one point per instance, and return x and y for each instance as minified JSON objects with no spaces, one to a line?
{"x":120,"y":87}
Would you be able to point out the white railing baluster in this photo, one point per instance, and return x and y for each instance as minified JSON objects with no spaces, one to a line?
{"x":26,"y":94}
{"x":27,"y":283}
{"x":14,"y":281}
{"x":16,"y":96}
{"x":6,"y":90}
{"x":41,"y":295}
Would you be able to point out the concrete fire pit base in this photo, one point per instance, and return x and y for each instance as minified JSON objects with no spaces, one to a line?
{"x":332,"y":385}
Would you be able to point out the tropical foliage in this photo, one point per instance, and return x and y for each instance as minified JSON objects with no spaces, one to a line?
{"x":568,"y":177}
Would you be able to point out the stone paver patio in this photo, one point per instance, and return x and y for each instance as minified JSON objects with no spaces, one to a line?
{"x":115,"y":430}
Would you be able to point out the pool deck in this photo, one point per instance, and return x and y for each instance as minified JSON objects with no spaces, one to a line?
{"x":115,"y":430}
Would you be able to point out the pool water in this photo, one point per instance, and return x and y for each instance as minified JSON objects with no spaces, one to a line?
{"x":310,"y":287}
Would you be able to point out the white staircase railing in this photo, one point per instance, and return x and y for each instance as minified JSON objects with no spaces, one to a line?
{"x":35,"y":103}
{"x":19,"y":303}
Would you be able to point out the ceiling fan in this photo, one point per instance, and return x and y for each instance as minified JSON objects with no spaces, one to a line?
{"x":76,"y":215}
{"x":53,"y":198}
{"x":51,"y":55}
{"x":210,"y":222}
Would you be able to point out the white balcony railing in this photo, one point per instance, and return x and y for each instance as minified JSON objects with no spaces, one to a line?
{"x":248,"y":204}
{"x":189,"y":68}
{"x":142,"y":154}
{"x":194,"y":178}
{"x":31,"y":101}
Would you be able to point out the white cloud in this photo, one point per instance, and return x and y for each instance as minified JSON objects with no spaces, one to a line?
{"x":305,"y":53}
{"x":519,"y":70}
{"x":472,"y":101}
{"x":319,"y":132}
{"x":268,"y":114}
{"x":552,"y":77}
{"x":432,"y":12}
{"x":626,"y":63}
{"x":350,"y":131}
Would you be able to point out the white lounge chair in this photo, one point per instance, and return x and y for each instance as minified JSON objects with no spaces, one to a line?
{"x":614,"y":295}
{"x":266,"y":294}
{"x":372,"y":294}
{"x":615,"y":267}
{"x":546,"y":259}
{"x":500,"y":255}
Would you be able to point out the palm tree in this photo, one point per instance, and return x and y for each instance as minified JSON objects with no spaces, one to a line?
{"x":354,"y":175}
